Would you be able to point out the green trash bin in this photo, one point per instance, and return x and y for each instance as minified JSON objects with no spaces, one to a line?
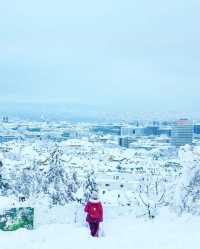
{"x":15,"y":218}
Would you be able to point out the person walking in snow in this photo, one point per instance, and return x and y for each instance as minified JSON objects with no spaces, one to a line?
{"x":94,"y":212}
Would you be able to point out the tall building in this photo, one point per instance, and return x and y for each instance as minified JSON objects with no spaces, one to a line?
{"x":182,"y":132}
{"x":127,"y":131}
{"x":197,"y":129}
{"x":5,"y":119}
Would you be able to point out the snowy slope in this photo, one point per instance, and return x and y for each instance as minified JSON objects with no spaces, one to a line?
{"x":166,"y":232}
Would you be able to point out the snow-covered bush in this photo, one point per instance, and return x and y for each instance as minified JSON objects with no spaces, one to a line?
{"x":89,"y":184}
{"x":4,"y":185}
{"x":151,"y":190}
{"x":57,"y":179}
{"x":187,"y":195}
{"x":35,"y":179}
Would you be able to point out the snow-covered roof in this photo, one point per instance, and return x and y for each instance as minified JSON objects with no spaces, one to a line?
{"x":75,"y":142}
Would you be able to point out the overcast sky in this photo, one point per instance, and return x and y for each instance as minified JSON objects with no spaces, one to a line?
{"x":135,"y":55}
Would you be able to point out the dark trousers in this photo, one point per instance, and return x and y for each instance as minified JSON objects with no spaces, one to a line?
{"x":94,"y":228}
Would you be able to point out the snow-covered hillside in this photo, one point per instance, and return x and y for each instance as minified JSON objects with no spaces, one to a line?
{"x":165,"y":232}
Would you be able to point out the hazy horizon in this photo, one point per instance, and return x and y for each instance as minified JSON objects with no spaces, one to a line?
{"x":139,"y":57}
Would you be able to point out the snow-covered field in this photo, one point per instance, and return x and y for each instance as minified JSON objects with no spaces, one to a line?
{"x":167,"y":231}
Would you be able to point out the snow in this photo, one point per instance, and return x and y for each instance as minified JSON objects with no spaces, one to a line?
{"x":6,"y":202}
{"x":165,"y":232}
{"x":131,"y":182}
{"x":64,"y":227}
{"x":75,"y":142}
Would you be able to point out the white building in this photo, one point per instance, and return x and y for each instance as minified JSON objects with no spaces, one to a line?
{"x":182,"y":132}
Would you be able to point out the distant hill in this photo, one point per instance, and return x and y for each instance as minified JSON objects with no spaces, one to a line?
{"x":71,"y":112}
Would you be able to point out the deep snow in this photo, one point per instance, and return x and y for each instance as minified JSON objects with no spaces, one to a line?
{"x":165,"y":232}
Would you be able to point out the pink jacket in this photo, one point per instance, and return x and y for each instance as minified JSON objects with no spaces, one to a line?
{"x":94,"y":211}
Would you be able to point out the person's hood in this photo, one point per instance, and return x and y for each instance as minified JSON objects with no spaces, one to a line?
{"x":94,"y":195}
{"x":94,"y":201}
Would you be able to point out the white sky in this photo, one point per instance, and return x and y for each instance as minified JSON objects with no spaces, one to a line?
{"x":127,"y":55}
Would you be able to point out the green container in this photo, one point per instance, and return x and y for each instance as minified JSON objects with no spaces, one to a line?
{"x":15,"y":218}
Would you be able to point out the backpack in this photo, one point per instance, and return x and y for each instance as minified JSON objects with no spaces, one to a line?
{"x":94,"y":212}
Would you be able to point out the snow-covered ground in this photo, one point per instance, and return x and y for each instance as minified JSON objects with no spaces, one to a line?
{"x":167,"y":231}
{"x":56,"y":179}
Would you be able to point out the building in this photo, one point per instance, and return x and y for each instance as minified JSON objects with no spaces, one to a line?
{"x":126,"y":141}
{"x":70,"y":134}
{"x":5,"y":119}
{"x":7,"y":138}
{"x":156,"y":123}
{"x":165,"y":131}
{"x":139,"y":131}
{"x":34,"y":129}
{"x":127,"y":131}
{"x":197,"y":129}
{"x":108,"y":129}
{"x":147,"y":131}
{"x":182,"y":132}
{"x":151,"y":131}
